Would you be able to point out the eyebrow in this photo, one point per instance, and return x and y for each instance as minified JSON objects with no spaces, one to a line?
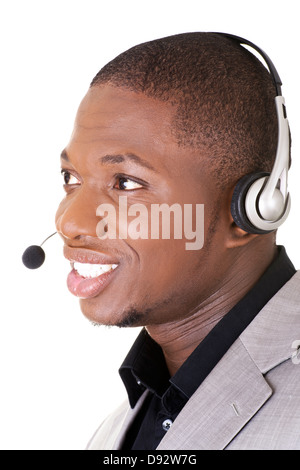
{"x":116,"y":159}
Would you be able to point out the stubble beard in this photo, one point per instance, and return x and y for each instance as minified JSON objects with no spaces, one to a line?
{"x":129,"y":319}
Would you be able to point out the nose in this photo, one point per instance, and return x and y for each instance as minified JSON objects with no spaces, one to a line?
{"x":76,"y":216}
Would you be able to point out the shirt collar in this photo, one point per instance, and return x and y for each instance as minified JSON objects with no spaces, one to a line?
{"x":145,"y":366}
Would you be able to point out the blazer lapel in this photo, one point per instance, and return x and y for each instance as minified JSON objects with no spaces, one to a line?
{"x":227,"y":399}
{"x":124,"y":425}
{"x":111,"y":433}
{"x":270,"y":336}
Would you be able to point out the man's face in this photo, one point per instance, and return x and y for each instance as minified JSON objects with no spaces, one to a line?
{"x":123,"y":145}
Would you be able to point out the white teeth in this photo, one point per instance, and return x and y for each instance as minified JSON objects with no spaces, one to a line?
{"x":93,"y":270}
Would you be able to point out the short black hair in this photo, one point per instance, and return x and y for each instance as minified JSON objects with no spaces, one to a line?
{"x":224,"y":97}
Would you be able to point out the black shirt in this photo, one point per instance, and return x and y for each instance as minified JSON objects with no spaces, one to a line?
{"x":145,"y":366}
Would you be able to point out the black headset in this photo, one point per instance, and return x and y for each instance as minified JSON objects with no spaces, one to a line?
{"x":260,"y":201}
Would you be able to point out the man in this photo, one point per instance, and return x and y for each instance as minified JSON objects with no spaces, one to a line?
{"x":179,"y":121}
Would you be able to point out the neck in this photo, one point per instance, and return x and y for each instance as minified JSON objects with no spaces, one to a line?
{"x":178,"y":339}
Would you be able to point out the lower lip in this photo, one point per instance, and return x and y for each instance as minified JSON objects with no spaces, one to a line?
{"x":86,"y":288}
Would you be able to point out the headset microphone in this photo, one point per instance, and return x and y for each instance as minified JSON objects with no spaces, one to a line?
{"x":34,"y":256}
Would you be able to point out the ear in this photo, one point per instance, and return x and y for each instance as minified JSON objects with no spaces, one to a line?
{"x":238,"y":237}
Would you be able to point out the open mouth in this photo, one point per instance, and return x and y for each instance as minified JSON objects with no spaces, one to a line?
{"x":90,"y":271}
{"x":88,"y":280}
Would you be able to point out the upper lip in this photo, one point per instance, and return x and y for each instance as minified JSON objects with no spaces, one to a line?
{"x":84,"y":255}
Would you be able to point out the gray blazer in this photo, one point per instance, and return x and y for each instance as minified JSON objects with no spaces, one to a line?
{"x":250,"y":400}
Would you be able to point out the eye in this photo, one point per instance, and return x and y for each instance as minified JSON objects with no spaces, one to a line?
{"x":69,"y":179}
{"x":126,"y":184}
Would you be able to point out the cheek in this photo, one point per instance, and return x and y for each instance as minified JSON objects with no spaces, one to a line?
{"x":169,"y":251}
{"x":171,"y":265}
{"x":163,"y":264}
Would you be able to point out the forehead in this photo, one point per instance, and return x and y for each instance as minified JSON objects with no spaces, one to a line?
{"x":116,"y":121}
{"x":120,"y":112}
{"x":112,"y":120}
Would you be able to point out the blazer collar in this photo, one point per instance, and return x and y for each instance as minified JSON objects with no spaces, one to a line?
{"x":270,"y":336}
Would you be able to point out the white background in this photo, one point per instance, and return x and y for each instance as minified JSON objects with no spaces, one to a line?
{"x":58,"y":373}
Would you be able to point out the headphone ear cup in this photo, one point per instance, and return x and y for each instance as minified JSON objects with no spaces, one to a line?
{"x":238,"y":210}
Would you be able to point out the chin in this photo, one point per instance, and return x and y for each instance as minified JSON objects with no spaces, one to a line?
{"x":124,"y":318}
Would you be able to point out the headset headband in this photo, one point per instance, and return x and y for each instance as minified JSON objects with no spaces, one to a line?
{"x":260,"y":203}
{"x":272,"y":69}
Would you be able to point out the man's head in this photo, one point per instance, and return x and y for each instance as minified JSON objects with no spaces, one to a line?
{"x":175,"y":121}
